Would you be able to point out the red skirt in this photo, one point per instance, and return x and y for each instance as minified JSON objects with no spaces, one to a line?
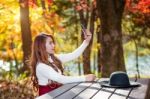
{"x":48,"y":88}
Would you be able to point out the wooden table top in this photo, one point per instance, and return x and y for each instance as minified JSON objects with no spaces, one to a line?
{"x":93,"y":90}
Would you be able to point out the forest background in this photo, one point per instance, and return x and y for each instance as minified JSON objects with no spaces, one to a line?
{"x":120,"y":38}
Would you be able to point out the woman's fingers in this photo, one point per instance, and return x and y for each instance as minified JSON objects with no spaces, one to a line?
{"x":87,"y":35}
{"x":90,"y":77}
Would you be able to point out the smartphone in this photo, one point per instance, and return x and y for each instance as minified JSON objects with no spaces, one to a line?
{"x":83,"y":29}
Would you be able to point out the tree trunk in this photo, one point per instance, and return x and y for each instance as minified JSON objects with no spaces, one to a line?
{"x":77,"y":30}
{"x":112,"y":59}
{"x":136,"y":56}
{"x":92,"y":26}
{"x":43,"y":5}
{"x":26,"y":33}
{"x":98,"y":31}
{"x":86,"y":53}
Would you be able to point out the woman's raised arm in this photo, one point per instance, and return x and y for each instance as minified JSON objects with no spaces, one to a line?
{"x":76,"y":53}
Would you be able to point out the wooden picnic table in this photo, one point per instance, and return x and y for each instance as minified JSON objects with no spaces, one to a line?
{"x":93,"y":90}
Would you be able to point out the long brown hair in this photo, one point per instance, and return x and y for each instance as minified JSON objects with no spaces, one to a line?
{"x":39,"y":54}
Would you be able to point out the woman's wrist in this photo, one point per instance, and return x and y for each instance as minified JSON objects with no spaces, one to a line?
{"x":90,"y":77}
{"x":88,"y":38}
{"x":85,"y":42}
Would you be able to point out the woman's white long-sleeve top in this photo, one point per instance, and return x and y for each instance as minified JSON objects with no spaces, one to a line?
{"x":46,"y":73}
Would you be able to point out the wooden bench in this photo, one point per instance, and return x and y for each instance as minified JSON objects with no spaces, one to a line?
{"x":93,"y":90}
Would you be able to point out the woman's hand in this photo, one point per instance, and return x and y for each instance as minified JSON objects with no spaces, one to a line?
{"x":90,"y":77}
{"x":87,"y":36}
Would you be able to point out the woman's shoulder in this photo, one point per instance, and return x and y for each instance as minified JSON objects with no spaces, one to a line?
{"x":41,"y":65}
{"x":44,"y":68}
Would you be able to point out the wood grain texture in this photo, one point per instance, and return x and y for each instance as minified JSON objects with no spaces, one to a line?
{"x":93,"y":90}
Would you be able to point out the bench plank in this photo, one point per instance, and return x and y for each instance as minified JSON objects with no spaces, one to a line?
{"x":140,"y":92}
{"x":74,"y":91}
{"x":121,"y":93}
{"x":113,"y":93}
{"x":58,"y":91}
{"x":104,"y":93}
{"x":89,"y":92}
{"x":93,"y":90}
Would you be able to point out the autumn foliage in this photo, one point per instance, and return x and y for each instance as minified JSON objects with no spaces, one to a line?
{"x":141,"y":11}
{"x":142,"y":6}
{"x":47,"y":20}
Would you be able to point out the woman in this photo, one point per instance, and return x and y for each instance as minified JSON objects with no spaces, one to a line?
{"x":47,"y":70}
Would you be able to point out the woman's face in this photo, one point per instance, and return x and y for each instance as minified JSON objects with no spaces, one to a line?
{"x":50,"y":46}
